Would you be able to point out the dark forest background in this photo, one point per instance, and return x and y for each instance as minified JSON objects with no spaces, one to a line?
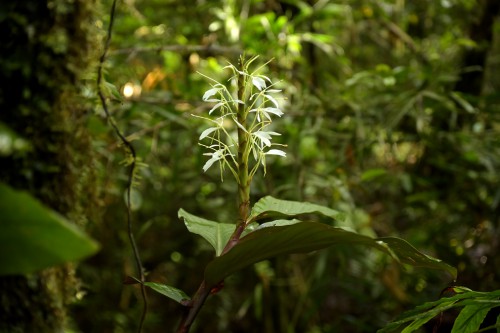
{"x":392,"y":115}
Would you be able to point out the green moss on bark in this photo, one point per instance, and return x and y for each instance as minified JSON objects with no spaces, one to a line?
{"x":47,"y":49}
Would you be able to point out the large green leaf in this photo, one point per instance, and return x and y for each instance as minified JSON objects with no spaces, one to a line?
{"x":300,"y":237}
{"x":269,"y":207}
{"x":217,"y":234}
{"x":33,"y":237}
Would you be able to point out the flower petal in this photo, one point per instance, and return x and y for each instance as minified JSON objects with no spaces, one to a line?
{"x":259,"y":83}
{"x":209,"y":93}
{"x":215,"y":107}
{"x":209,"y":163}
{"x":273,"y":100}
{"x":276,"y":152}
{"x":207,"y":132}
{"x":275,"y":111}
{"x":264,"y":137}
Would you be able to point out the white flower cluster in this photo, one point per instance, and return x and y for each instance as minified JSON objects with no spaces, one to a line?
{"x":258,"y":107}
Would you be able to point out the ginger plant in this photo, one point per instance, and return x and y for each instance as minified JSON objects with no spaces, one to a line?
{"x":250,"y":107}
{"x":251,"y":112}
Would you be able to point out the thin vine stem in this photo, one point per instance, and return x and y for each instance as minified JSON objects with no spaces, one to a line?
{"x":132,"y":167}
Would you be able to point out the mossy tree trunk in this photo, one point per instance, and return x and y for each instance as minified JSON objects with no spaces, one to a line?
{"x":46,"y":49}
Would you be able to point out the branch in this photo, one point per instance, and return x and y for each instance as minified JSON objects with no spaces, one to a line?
{"x":131,"y":150}
{"x":397,"y":32}
{"x":210,"y":49}
{"x":194,"y":308}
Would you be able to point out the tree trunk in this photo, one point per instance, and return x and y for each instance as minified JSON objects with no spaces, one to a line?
{"x":481,"y":32}
{"x":46,"y":47}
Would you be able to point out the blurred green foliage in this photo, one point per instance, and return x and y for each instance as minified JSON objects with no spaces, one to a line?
{"x":392,"y":116}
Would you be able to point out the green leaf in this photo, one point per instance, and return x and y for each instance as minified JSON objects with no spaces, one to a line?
{"x":420,"y":321}
{"x":217,"y":234}
{"x":302,"y":237}
{"x":110,"y":89}
{"x":470,"y":318}
{"x":423,"y":313}
{"x":420,"y":315}
{"x":171,"y":292}
{"x":33,"y":237}
{"x":269,"y":207}
{"x":372,"y":173}
{"x":410,"y":255}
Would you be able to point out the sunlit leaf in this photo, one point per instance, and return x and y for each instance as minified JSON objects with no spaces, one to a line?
{"x":33,"y":237}
{"x":217,"y":234}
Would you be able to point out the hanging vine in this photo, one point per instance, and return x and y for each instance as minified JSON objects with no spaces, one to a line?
{"x":131,"y":161}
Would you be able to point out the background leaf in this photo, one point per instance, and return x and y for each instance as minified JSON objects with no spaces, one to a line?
{"x":33,"y":237}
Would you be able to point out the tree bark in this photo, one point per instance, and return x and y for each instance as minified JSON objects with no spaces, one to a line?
{"x":46,"y":47}
{"x":481,"y":32}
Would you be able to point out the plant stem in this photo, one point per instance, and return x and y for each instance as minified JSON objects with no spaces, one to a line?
{"x":244,"y":180}
{"x":243,"y":151}
{"x":194,"y":308}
